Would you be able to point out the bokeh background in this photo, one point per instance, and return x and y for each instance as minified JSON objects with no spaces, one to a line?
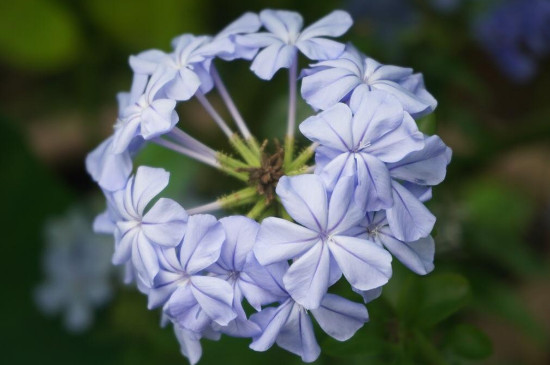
{"x":486,"y":62}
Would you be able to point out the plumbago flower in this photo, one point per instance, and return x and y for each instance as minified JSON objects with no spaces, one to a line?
{"x":307,"y":225}
{"x":329,"y":82}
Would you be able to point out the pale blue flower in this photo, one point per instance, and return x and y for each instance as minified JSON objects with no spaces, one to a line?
{"x":361,"y":141}
{"x":108,"y":168}
{"x":318,"y":241}
{"x":333,"y":81}
{"x":224,"y":45}
{"x":290,"y":326}
{"x":140,"y":234}
{"x":285,"y":37}
{"x":417,"y":256}
{"x":238,"y":266}
{"x":77,"y":271}
{"x":190,"y":299}
{"x":148,"y":117}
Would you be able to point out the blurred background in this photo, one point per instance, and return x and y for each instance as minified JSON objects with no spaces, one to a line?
{"x":486,"y":62}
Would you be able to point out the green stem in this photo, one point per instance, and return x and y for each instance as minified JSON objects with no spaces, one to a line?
{"x":238,"y":198}
{"x":302,"y":158}
{"x":289,"y":152}
{"x":242,"y":149}
{"x":254,"y":146}
{"x":238,"y":175}
{"x":257,"y":209}
{"x":230,"y":162}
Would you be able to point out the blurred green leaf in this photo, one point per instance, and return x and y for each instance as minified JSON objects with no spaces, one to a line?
{"x":469,"y":342}
{"x":140,"y":24}
{"x":423,"y":301}
{"x":496,"y":221}
{"x":39,"y":35}
{"x":368,"y":341}
{"x":440,"y":296}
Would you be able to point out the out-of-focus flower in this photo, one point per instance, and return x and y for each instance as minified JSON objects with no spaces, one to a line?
{"x":77,"y":270}
{"x":517,"y":35}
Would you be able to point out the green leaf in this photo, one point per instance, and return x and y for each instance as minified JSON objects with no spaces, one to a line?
{"x":41,"y":35}
{"x":497,"y":217}
{"x":469,"y":342}
{"x":368,"y":341}
{"x":440,"y":296}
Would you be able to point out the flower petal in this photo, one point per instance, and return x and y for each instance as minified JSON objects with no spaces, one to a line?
{"x":148,"y":183}
{"x":417,"y":256}
{"x":279,"y":240}
{"x":307,"y":279}
{"x":190,"y":345}
{"x":298,"y":337}
{"x":202,"y":243}
{"x":333,"y":25}
{"x":373,"y":190}
{"x":284,"y":24}
{"x":165,"y":223}
{"x":272,"y":58}
{"x":240,"y":237}
{"x":108,"y":169}
{"x":320,"y":48}
{"x":144,"y":258}
{"x":339,"y":317}
{"x":364,"y":264}
{"x":305,"y":199}
{"x":215,"y":296}
{"x":331,"y":128}
{"x":408,"y":218}
{"x":427,"y":166}
{"x":270,"y":320}
{"x":343,"y":212}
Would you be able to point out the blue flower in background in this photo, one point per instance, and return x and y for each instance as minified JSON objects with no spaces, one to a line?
{"x":517,"y":35}
{"x":77,"y":271}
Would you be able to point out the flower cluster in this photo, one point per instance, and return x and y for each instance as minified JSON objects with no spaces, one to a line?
{"x":307,"y":225}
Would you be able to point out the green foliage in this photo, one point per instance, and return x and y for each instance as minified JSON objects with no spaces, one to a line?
{"x":495,"y":226}
{"x":39,"y":35}
{"x":141,"y":24}
{"x":469,"y":342}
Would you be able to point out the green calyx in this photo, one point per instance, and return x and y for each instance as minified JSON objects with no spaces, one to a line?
{"x":261,"y":170}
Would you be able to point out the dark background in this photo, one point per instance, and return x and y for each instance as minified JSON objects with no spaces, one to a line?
{"x":62,"y":62}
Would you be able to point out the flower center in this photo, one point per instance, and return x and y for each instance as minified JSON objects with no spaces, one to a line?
{"x":266,"y":177}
